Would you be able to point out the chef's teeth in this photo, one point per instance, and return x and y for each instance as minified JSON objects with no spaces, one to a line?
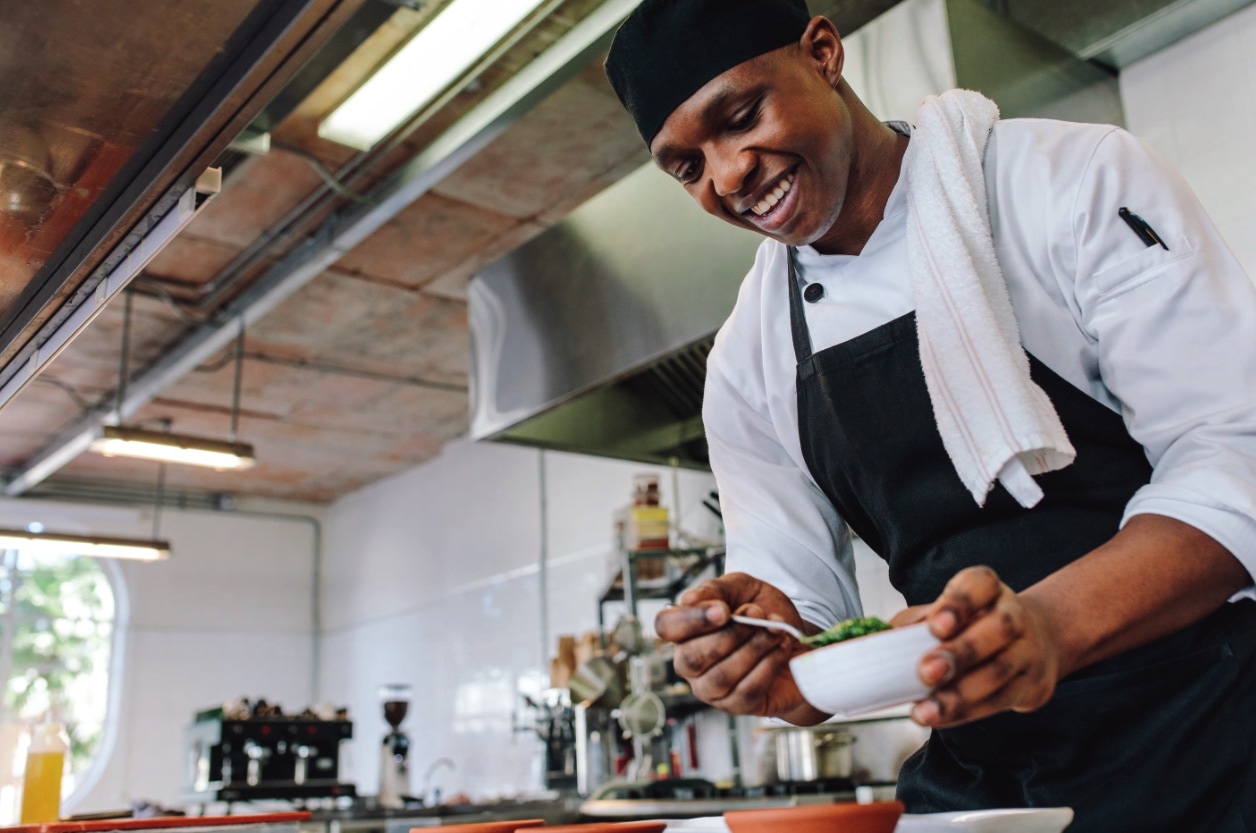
{"x":774,"y":196}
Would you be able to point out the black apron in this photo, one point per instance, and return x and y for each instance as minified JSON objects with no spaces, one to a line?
{"x":1159,"y":738}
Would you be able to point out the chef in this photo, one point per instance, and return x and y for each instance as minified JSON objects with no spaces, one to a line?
{"x":1016,"y":358}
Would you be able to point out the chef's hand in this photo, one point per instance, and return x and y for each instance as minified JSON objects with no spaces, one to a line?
{"x":737,"y":668}
{"x":999,"y":651}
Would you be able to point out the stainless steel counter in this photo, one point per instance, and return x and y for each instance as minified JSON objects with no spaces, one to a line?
{"x":682,"y":808}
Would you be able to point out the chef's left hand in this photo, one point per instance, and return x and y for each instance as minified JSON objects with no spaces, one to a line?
{"x":999,"y":651}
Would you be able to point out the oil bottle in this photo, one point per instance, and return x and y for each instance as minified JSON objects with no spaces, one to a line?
{"x":45,"y":764}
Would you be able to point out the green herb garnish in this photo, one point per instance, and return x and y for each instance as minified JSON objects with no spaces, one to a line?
{"x":849,"y":629}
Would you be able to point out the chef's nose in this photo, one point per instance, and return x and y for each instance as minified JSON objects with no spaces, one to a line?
{"x":730,"y":170}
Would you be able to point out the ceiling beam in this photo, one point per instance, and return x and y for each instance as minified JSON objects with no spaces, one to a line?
{"x":465,"y":138}
{"x":146,"y":248}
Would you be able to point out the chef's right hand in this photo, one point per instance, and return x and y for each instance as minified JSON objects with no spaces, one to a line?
{"x":739,"y":669}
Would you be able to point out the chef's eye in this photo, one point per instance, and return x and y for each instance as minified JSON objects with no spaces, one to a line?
{"x":745,"y":119}
{"x":687,"y":172}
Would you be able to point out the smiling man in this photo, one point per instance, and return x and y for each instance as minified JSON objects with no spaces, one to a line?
{"x":1015,"y":357}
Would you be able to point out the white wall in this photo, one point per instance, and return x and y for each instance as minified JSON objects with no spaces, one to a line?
{"x":229,"y":615}
{"x":1195,"y":102}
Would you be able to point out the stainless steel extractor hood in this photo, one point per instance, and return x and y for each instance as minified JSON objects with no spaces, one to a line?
{"x":610,"y":314}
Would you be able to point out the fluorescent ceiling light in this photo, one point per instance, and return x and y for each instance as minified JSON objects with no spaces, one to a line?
{"x":442,"y":51}
{"x":55,"y":543}
{"x":174,"y":448}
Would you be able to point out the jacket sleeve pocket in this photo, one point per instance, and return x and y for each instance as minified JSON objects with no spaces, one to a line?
{"x":1138,"y":269}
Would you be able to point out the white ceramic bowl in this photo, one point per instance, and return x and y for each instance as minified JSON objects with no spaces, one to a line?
{"x":865,"y":674}
{"x":1040,"y":820}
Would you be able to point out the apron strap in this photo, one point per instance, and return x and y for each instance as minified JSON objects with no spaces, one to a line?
{"x":798,"y":320}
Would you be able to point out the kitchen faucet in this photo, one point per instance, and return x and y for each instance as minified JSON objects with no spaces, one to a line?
{"x":428,"y":798}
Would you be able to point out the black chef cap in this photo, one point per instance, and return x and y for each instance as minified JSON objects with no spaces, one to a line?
{"x":667,"y":49}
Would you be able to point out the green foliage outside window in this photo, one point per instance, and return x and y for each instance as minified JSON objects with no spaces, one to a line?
{"x":56,"y":634}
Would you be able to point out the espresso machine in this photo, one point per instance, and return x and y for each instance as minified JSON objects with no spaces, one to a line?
{"x":394,"y":753}
{"x":248,"y":751}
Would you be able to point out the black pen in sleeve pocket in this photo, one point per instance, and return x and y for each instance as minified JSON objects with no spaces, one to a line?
{"x":1142,"y":228}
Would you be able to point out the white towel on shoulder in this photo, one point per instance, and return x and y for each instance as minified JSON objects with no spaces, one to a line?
{"x":996,"y":423}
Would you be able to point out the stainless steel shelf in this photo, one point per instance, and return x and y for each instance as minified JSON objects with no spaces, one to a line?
{"x":681,"y":567}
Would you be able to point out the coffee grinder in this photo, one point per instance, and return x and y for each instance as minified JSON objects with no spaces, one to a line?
{"x":394,"y":766}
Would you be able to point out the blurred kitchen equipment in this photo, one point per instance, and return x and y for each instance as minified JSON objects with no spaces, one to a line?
{"x":811,"y":754}
{"x":599,"y":682}
{"x":246,"y":753}
{"x":394,"y":751}
{"x":655,"y":732}
{"x":642,"y":715}
{"x":648,"y":671}
{"x":628,"y":635}
{"x":431,"y":796}
{"x":554,"y":722}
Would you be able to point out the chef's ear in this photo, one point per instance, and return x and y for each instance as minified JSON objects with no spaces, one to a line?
{"x":822,"y":44}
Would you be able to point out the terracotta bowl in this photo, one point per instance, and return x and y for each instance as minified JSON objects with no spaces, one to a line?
{"x":611,"y":827}
{"x":877,"y":817}
{"x":488,"y":826}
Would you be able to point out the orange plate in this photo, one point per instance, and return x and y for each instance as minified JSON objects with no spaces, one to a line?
{"x":487,"y":826}
{"x":877,"y":817}
{"x":611,"y":827}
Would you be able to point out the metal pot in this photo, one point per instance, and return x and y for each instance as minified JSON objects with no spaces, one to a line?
{"x":600,"y":683}
{"x":813,"y":754}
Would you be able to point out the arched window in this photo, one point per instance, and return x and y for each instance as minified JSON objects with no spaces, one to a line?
{"x":57,"y":620}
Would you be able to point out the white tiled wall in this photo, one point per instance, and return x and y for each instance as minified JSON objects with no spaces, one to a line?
{"x":229,"y":615}
{"x":1195,"y":102}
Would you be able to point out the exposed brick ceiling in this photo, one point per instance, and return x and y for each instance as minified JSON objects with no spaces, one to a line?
{"x":363,"y":372}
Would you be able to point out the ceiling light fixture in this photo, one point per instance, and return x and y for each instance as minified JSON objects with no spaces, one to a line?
{"x":438,"y":55}
{"x":165,"y":447}
{"x":116,"y":441}
{"x":98,"y":546}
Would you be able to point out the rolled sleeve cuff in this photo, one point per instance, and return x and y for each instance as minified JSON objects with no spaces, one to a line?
{"x":1232,"y":529}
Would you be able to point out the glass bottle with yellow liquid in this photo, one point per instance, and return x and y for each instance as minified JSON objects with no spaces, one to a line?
{"x":45,"y":764}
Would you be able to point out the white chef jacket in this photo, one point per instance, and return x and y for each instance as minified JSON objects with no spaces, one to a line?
{"x":1165,"y":338}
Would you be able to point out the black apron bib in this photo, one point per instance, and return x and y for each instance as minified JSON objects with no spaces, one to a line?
{"x":1156,"y":739}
